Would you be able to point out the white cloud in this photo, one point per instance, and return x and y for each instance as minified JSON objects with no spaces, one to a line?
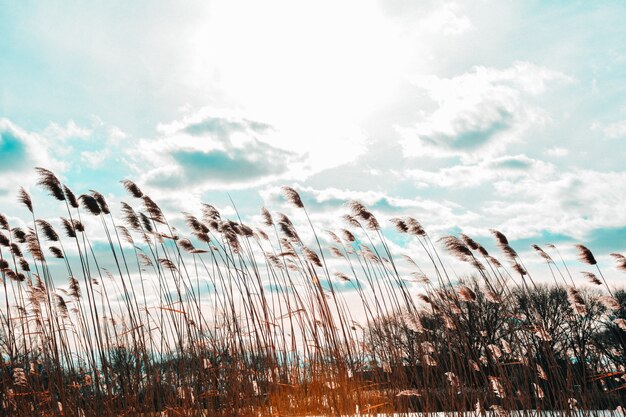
{"x":92,"y":145}
{"x":488,"y":171}
{"x":327,"y":205}
{"x":479,"y":112}
{"x":70,"y":131}
{"x":211,"y":150}
{"x":94,"y":159}
{"x":572,"y":203}
{"x":557,"y":152}
{"x":116,"y":135}
{"x":446,"y":19}
{"x":615,"y":130}
{"x":21,"y":151}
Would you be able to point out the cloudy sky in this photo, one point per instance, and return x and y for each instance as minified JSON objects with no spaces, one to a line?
{"x":467,"y":115}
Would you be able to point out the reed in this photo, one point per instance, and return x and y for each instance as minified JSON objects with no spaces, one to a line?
{"x":132,"y":316}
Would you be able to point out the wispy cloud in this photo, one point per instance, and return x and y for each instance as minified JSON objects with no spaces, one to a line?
{"x":615,"y":130}
{"x":488,"y":171}
{"x":478,"y":112}
{"x":327,"y":205}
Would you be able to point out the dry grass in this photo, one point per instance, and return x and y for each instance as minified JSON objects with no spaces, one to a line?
{"x":229,"y":319}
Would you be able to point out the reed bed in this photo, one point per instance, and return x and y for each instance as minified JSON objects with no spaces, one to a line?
{"x":126,"y":315}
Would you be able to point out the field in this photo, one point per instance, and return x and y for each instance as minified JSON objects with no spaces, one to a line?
{"x":226,"y":318}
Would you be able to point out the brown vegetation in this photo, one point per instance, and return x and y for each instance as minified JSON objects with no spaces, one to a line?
{"x":230,"y":319}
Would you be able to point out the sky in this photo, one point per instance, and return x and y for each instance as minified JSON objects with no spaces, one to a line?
{"x":467,"y":115}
